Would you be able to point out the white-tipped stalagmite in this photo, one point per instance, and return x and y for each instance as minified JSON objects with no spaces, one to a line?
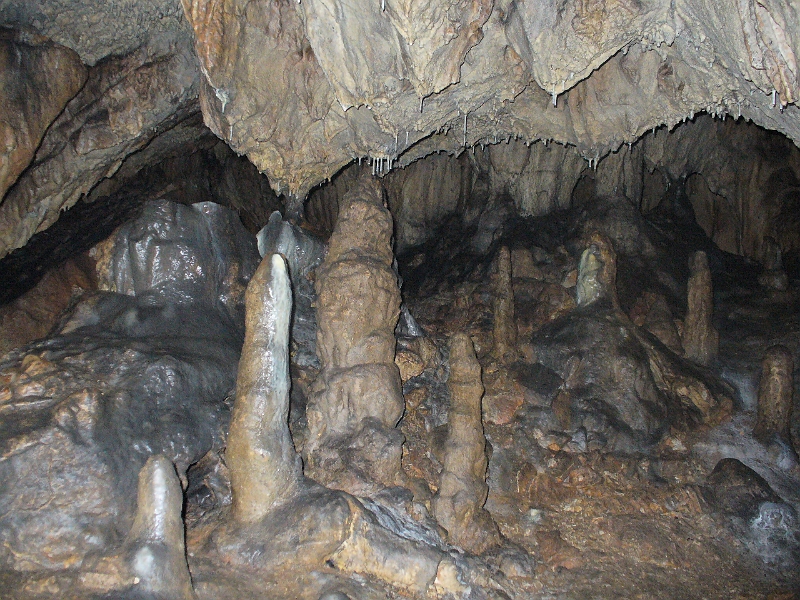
{"x":458,"y":505}
{"x":700,"y":338}
{"x":156,"y":547}
{"x":264,"y":466}
{"x":775,"y":391}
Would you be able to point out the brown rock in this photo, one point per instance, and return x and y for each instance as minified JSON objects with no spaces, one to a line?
{"x":505,"y":328}
{"x":357,"y":400}
{"x":409,"y":363}
{"x":700,"y":338}
{"x":775,"y":395}
{"x":38,"y":78}
{"x":458,"y":505}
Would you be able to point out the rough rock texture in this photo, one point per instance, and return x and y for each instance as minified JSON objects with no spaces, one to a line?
{"x":357,"y":399}
{"x":34,"y":314}
{"x":774,"y":276}
{"x":593,"y":75}
{"x":458,"y":505}
{"x":279,"y":519}
{"x":125,"y":103}
{"x":700,"y":337}
{"x":648,"y":389}
{"x":38,"y":79}
{"x":775,"y":396}
{"x":123,"y":377}
{"x":505,"y":328}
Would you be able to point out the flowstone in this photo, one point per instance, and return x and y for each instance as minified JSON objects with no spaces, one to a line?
{"x":124,"y":377}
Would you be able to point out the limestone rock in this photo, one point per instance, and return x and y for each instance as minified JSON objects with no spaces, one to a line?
{"x":115,"y":114}
{"x":775,"y":396}
{"x":357,"y":400}
{"x":505,"y":327}
{"x":123,"y":378}
{"x":700,"y":338}
{"x":458,"y":505}
{"x":38,"y":79}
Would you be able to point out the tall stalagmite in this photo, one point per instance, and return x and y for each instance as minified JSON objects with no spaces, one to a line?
{"x":700,"y":338}
{"x":505,"y":328}
{"x":775,"y":396}
{"x":263,"y":464}
{"x":458,"y":504}
{"x":357,"y":398}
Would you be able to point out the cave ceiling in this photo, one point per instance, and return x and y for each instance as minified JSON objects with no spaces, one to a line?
{"x":305,"y":88}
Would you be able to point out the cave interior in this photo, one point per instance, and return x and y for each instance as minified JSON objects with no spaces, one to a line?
{"x":326,"y":300}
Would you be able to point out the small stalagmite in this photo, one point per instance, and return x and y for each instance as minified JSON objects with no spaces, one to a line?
{"x":458,"y":505}
{"x":156,"y":547}
{"x":597,"y":272}
{"x":261,"y":456}
{"x":775,"y":396}
{"x":357,"y":398}
{"x":773,"y":277}
{"x":505,"y":328}
{"x":700,"y":338}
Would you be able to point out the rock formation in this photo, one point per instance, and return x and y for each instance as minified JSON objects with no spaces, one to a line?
{"x":280,"y":519}
{"x":458,"y":505}
{"x":126,"y":375}
{"x":505,"y":327}
{"x":38,"y":79}
{"x":700,"y":338}
{"x":357,"y":400}
{"x":775,"y":396}
{"x":604,"y":360}
{"x":265,"y":469}
{"x":155,"y":544}
{"x":773,"y":276}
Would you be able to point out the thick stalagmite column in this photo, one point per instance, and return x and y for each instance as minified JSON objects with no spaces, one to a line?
{"x":357,"y":398}
{"x":700,"y":339}
{"x":458,"y":505}
{"x":156,"y":546}
{"x":775,"y":396}
{"x":505,"y":328}
{"x":264,"y":466}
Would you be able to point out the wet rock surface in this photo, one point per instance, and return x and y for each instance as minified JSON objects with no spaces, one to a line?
{"x":125,"y":376}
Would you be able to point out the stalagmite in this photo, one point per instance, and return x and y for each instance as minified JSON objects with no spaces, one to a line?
{"x":280,"y":519}
{"x":597,"y":272}
{"x":261,"y":456}
{"x":775,"y":396}
{"x":505,"y":328}
{"x":357,"y":398}
{"x":458,"y":505}
{"x":773,"y":276}
{"x":700,"y":338}
{"x":156,"y":549}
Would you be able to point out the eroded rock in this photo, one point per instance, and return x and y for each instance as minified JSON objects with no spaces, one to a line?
{"x":357,"y":399}
{"x":458,"y":505}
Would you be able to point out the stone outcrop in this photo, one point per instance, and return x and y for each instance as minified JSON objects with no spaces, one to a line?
{"x":775,"y":396}
{"x":458,"y":505}
{"x":700,"y":338}
{"x":38,"y":79}
{"x":357,"y":400}
{"x":125,"y":376}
